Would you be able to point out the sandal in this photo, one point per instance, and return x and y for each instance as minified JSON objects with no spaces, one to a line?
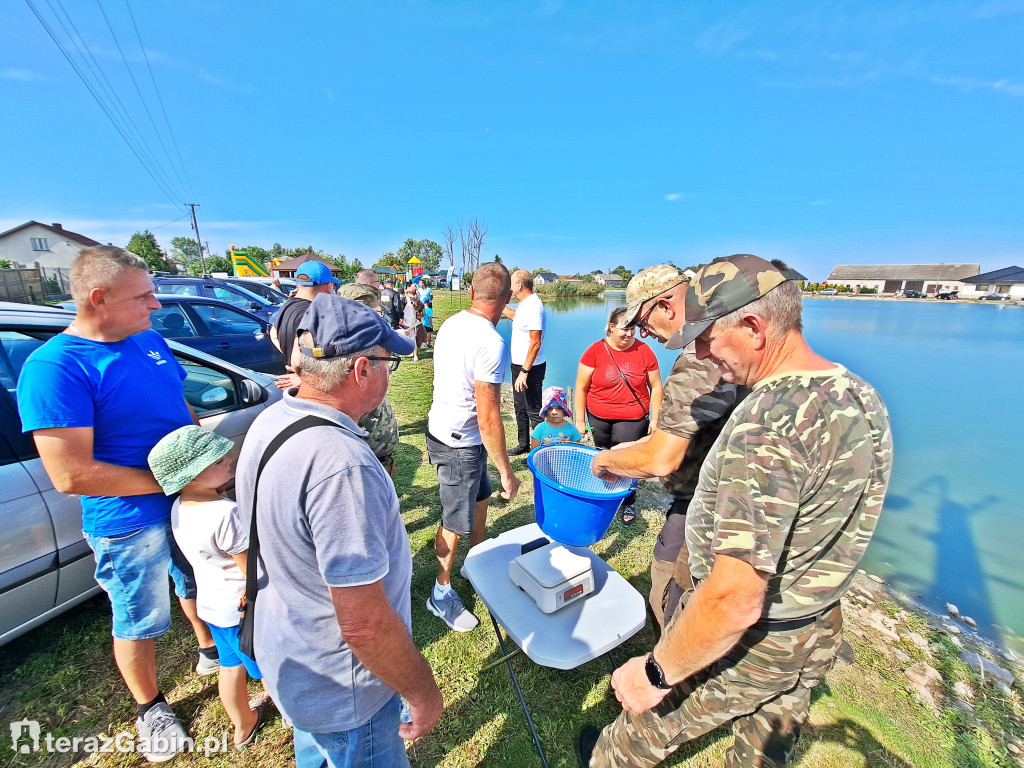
{"x":628,"y":515}
{"x":259,"y":709}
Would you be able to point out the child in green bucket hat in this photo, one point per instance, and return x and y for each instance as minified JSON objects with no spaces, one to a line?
{"x":195,"y":463}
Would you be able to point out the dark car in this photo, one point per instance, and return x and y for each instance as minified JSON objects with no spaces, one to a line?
{"x":948,"y":295}
{"x":216,"y":328}
{"x":263,"y":290}
{"x":994,"y":297}
{"x":46,"y":567}
{"x":217,"y":288}
{"x":914,"y":295}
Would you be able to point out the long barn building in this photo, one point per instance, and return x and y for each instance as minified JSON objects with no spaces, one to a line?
{"x":889,"y":278}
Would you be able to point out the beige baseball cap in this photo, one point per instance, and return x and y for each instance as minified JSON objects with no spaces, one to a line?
{"x":645,"y":285}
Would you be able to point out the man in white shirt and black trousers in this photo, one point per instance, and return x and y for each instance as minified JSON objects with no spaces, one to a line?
{"x":528,"y":360}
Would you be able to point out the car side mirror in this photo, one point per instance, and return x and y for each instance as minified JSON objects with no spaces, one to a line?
{"x":252,"y":393}
{"x":254,"y":305}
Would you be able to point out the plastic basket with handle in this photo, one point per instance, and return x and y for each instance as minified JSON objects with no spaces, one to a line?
{"x":573,"y":505}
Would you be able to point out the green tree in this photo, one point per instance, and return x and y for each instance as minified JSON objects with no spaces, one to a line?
{"x":538,"y":271}
{"x":427,"y":251}
{"x":588,"y":278}
{"x":213,"y":264}
{"x":144,"y":244}
{"x":185,"y":250}
{"x":6,"y":264}
{"x":387,"y":260}
{"x":497,"y":259}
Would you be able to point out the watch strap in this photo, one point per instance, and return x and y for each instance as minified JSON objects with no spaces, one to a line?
{"x":655,"y":674}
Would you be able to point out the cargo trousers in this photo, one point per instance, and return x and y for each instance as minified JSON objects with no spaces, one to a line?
{"x":762,"y":686}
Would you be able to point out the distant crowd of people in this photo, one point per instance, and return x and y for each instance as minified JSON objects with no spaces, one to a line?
{"x":777,"y":461}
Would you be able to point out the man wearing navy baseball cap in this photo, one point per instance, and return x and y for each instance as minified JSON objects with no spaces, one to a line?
{"x":333,"y":627}
{"x":313,"y":278}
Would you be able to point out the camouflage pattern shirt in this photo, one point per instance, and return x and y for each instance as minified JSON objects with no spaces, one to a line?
{"x":382,"y":429}
{"x":695,"y":405}
{"x":794,"y":486}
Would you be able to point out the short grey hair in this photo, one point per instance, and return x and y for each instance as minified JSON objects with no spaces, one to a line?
{"x":99,"y":267}
{"x":366,"y":276}
{"x":781,"y":308}
{"x":326,"y":373}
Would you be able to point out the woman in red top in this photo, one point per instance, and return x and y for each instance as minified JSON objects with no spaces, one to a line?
{"x":618,"y":388}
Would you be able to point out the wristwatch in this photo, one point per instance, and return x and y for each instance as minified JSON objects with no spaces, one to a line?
{"x":655,"y":674}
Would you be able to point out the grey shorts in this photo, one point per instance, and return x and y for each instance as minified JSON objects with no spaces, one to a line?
{"x":462,"y":481}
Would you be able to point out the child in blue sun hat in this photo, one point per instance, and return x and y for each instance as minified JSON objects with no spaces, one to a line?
{"x":195,"y":463}
{"x":556,"y":427}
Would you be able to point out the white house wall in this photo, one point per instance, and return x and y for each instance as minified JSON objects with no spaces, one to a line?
{"x":17,"y":247}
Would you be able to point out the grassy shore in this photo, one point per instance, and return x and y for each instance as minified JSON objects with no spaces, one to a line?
{"x":884,"y":709}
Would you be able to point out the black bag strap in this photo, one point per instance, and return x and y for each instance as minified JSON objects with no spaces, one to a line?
{"x":252,"y":558}
{"x":625,"y":380}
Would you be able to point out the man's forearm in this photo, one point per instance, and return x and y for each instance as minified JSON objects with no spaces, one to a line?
{"x":492,"y":433}
{"x":382,"y":644}
{"x":647,"y":458}
{"x":531,"y":356}
{"x":97,"y":478}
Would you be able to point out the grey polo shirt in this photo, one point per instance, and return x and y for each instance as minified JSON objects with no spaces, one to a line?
{"x":328,"y":516}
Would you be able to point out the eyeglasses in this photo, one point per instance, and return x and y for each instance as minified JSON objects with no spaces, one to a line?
{"x":641,"y":322}
{"x":393,"y":361}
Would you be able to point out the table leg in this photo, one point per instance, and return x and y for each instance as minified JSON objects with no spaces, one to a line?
{"x":519,"y":692}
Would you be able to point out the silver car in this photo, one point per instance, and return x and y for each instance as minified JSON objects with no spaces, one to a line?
{"x":46,"y":567}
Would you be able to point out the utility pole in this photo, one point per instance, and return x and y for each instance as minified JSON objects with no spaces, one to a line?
{"x":199,"y":240}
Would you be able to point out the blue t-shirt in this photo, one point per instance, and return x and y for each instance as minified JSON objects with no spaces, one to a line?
{"x":545,"y":434}
{"x":428,"y":317}
{"x":129,"y":392}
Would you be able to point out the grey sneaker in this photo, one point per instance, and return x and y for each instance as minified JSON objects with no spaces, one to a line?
{"x":207,"y":666}
{"x":452,"y":612}
{"x":161,"y":735}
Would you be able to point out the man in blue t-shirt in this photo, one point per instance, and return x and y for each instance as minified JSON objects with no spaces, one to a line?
{"x":97,"y":398}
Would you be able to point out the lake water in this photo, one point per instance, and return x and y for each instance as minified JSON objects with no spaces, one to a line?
{"x":953,"y":523}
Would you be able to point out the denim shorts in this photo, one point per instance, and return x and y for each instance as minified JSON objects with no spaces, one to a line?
{"x":226,"y":640}
{"x":462,"y":481}
{"x":133,"y":568}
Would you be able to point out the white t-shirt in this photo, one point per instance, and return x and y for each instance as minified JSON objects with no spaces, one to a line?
{"x":468,"y":349}
{"x":529,"y":317}
{"x":208,"y":534}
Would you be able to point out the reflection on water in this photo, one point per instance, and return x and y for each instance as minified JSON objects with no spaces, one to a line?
{"x":949,"y":374}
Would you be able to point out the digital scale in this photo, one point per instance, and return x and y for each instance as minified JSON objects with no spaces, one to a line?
{"x":552,"y":575}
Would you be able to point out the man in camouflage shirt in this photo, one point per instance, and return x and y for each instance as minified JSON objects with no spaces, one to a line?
{"x":694,"y":408}
{"x":380,"y":424}
{"x":785,"y":506}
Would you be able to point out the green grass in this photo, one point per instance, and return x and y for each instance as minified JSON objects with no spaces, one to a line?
{"x":62,"y":674}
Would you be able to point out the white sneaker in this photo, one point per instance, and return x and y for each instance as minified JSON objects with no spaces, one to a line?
{"x":161,"y":735}
{"x":452,"y":612}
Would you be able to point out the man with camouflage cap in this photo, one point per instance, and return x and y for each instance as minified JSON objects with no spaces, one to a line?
{"x":785,"y":506}
{"x":694,"y":407}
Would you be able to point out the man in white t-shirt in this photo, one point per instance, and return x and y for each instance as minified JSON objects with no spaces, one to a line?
{"x":463,"y":426}
{"x":528,"y":360}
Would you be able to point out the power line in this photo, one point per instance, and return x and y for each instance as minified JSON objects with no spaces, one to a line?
{"x":159,"y":98}
{"x":99,"y":101}
{"x":138,"y":90}
{"x":101,"y":77}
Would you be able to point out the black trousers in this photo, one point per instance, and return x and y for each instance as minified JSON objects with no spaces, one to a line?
{"x":527,"y":402}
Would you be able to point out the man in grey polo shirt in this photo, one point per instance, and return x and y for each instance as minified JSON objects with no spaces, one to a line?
{"x":333,"y":616}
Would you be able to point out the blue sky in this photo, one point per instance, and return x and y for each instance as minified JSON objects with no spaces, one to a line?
{"x":584,"y":134}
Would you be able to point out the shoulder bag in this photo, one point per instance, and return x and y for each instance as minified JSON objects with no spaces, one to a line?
{"x":625,"y":380}
{"x":247,"y":622}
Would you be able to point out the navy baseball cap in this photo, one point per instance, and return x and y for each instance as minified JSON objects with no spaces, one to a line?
{"x":315,"y":273}
{"x":342,"y":326}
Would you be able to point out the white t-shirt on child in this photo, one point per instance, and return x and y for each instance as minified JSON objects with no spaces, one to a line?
{"x":208,"y":534}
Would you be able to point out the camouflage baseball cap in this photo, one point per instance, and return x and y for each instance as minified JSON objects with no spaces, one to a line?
{"x":723,"y":286}
{"x":646,"y":284}
{"x":364,"y":294}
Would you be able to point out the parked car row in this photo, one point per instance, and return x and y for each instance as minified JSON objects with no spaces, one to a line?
{"x":46,"y":567}
{"x":218,"y":288}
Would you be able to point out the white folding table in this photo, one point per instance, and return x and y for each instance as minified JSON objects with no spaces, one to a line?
{"x":567,"y":638}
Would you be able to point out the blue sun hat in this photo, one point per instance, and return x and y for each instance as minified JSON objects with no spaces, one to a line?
{"x":554,"y":396}
{"x":180,"y":456}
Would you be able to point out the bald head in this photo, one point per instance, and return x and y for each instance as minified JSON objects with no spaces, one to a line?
{"x":522,"y":280}
{"x":366,"y":277}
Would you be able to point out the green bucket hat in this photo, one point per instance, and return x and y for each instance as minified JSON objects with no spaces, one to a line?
{"x":723,"y":286}
{"x":645,"y":285}
{"x":180,"y":456}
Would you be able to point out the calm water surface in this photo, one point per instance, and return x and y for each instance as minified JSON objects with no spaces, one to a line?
{"x":954,"y":518}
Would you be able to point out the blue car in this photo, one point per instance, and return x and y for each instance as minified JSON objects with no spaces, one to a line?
{"x":216,"y":328}
{"x":216,"y":288}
